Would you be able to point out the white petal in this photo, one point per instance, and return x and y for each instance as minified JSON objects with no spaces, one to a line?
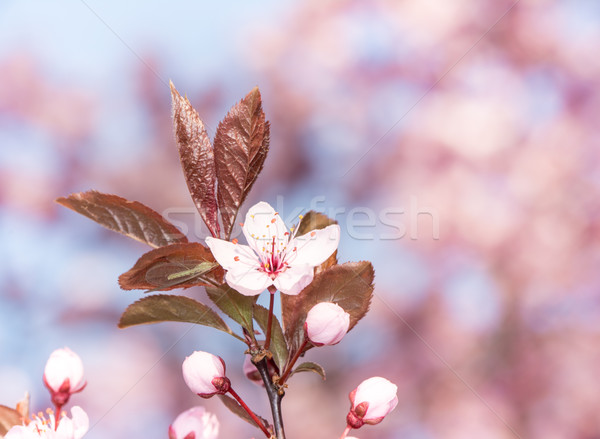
{"x":261,"y":225}
{"x":81,"y":422}
{"x":249,"y":282}
{"x":232,"y":256}
{"x":20,"y":432}
{"x":294,"y":279}
{"x":314,"y":247}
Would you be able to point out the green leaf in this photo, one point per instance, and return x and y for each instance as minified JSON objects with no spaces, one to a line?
{"x":238,"y":410}
{"x":309,"y":366}
{"x":240,"y":147}
{"x":235,"y":305}
{"x":349,"y":285}
{"x":197,"y":159}
{"x":167,"y":308}
{"x":173,"y":266}
{"x":8,"y":419}
{"x":278,"y":346}
{"x":130,"y":218}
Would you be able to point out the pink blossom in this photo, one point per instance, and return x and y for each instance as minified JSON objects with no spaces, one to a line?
{"x":371,"y":401}
{"x":204,"y":374}
{"x":326,"y":324}
{"x":40,"y":427}
{"x":195,"y":423}
{"x":273,"y":256}
{"x":63,"y":375}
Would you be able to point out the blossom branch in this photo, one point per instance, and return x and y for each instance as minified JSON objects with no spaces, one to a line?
{"x":275,"y":394}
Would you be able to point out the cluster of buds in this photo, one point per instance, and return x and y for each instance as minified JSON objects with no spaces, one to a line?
{"x":204,"y":374}
{"x":63,"y":376}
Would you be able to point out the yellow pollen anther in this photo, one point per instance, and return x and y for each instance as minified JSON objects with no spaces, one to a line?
{"x":272,"y":221}
{"x":235,"y":241}
{"x":300,"y":216}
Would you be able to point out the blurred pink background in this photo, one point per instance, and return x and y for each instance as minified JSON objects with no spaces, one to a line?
{"x":488,"y":119}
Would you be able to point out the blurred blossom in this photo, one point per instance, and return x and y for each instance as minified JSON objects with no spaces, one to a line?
{"x":74,"y":427}
{"x":195,"y":423}
{"x":63,"y":375}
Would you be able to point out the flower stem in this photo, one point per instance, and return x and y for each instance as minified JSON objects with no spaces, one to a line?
{"x":288,"y":369}
{"x":346,"y":431}
{"x":250,"y":412}
{"x":272,"y":290}
{"x":275,"y":394}
{"x":57,"y":409}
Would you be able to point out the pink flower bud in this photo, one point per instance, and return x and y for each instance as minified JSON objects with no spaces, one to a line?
{"x":371,"y":401}
{"x":63,"y":375}
{"x":204,"y":374}
{"x":326,"y":324}
{"x":195,"y":423}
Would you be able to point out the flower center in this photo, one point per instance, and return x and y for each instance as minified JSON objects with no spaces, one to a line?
{"x":273,"y":259}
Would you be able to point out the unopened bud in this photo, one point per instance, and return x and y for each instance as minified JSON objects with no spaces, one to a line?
{"x":204,"y":374}
{"x":371,"y":401}
{"x":326,"y":324}
{"x":63,"y":375}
